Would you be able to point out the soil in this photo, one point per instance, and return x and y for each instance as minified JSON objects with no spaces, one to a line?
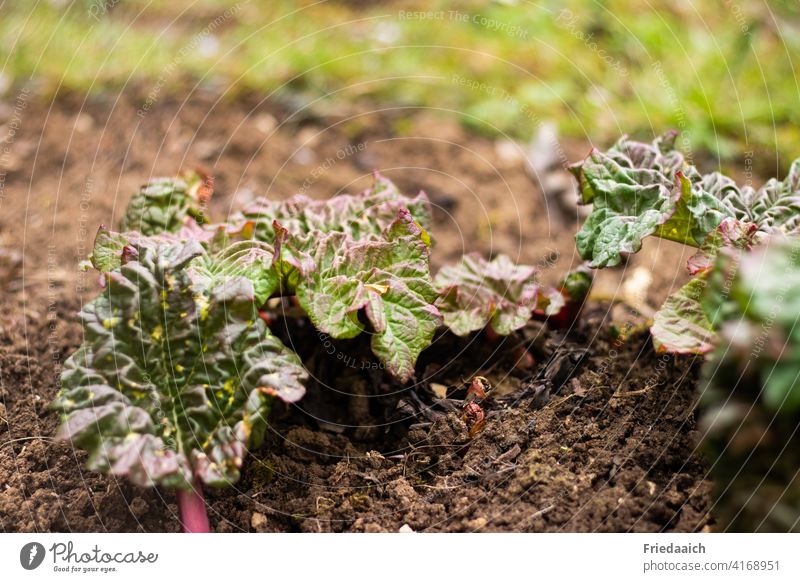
{"x":586,"y":433}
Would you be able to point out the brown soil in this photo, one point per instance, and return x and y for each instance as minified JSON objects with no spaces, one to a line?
{"x":367,"y":455}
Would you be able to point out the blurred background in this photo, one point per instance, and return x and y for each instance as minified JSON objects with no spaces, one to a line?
{"x":720,"y":70}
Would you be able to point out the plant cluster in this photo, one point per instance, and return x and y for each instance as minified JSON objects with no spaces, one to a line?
{"x":740,"y":297}
{"x":175,"y":379}
{"x":179,"y":368}
{"x":740,"y":309}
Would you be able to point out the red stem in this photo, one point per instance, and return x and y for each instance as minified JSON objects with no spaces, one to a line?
{"x":192,"y":508}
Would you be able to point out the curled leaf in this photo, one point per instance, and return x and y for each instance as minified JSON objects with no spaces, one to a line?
{"x":165,"y":204}
{"x":775,"y":207}
{"x":388,"y":279}
{"x":253,"y":260}
{"x":681,"y":326}
{"x":475,"y":293}
{"x":633,"y":189}
{"x":362,"y":216}
{"x":642,"y":189}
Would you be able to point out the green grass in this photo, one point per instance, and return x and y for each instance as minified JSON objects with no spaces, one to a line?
{"x":692,"y":67}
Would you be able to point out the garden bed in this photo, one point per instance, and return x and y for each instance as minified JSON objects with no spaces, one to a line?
{"x":607,"y":444}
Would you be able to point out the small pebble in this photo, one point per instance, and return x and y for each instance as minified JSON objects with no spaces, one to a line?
{"x":258,"y":521}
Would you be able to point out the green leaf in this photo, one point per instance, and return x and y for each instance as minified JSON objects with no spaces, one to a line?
{"x":730,"y":234}
{"x":175,"y":378}
{"x":253,"y":260}
{"x":363,"y":217}
{"x":641,"y":160}
{"x":223,"y":256}
{"x":387,"y":279}
{"x":641,"y":189}
{"x":476,"y":293}
{"x":167,"y":204}
{"x":697,"y":212}
{"x":775,"y":207}
{"x":687,"y":323}
{"x":681,"y":326}
{"x":107,"y":253}
{"x":633,"y":190}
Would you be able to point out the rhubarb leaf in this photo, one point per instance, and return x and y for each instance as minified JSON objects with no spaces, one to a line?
{"x":641,"y":189}
{"x":387,"y":278}
{"x":253,"y":260}
{"x":650,"y":189}
{"x":633,"y":189}
{"x":697,"y":211}
{"x":681,"y":326}
{"x":775,"y":207}
{"x":731,"y":233}
{"x":224,"y":257}
{"x":175,"y":378}
{"x":476,"y":293}
{"x":108,"y":249}
{"x":688,"y":321}
{"x":165,"y":204}
{"x":363,"y":216}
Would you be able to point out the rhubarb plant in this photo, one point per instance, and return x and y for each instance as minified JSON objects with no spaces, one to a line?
{"x":366,"y":254}
{"x":739,"y":311}
{"x":174,"y":381}
{"x":640,"y":189}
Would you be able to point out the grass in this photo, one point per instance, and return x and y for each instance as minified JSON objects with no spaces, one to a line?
{"x":721,"y":71}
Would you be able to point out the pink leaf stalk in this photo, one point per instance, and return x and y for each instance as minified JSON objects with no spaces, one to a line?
{"x":192,"y":507}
